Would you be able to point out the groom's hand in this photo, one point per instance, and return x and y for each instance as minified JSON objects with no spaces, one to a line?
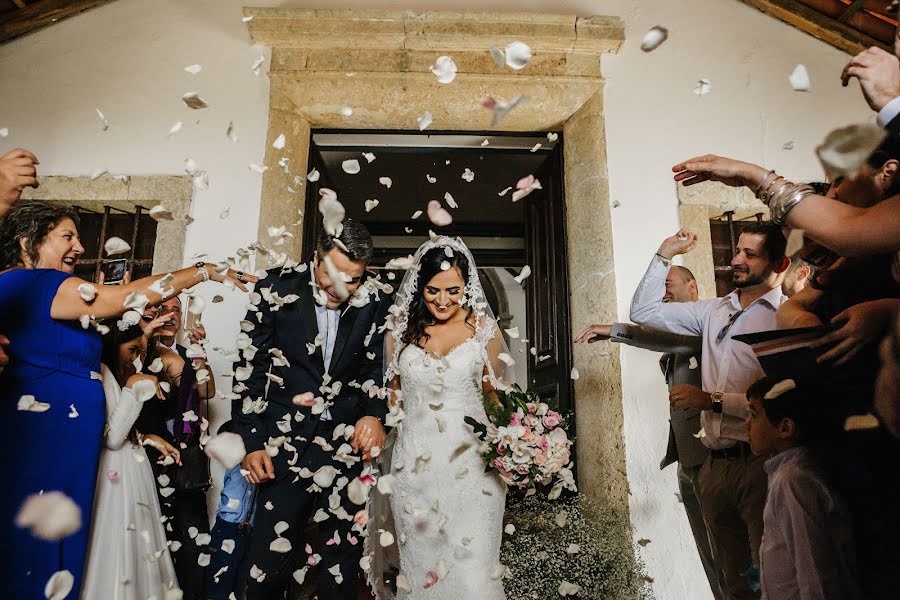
{"x":367,"y":434}
{"x":260,"y":465}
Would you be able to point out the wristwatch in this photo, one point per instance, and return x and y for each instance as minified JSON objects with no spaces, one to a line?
{"x":717,"y":398}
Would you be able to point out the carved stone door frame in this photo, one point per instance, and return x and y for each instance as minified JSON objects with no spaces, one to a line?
{"x":376,"y":62}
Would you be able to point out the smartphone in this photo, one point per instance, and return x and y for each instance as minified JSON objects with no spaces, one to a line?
{"x":191,"y":320}
{"x":114,"y":271}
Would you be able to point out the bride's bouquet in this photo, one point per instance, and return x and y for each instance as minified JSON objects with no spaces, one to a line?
{"x":525,"y":441}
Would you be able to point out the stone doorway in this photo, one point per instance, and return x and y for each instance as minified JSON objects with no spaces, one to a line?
{"x":369,"y":70}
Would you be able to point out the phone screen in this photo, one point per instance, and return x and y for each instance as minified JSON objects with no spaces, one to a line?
{"x":114,"y":271}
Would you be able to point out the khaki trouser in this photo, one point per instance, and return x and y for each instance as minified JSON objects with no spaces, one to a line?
{"x":689,"y":486}
{"x":732,"y":497}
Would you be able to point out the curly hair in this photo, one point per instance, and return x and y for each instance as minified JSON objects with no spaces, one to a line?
{"x":419,"y":315}
{"x":29,"y":221}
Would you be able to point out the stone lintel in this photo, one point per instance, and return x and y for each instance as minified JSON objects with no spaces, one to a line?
{"x":390,"y":40}
{"x":319,"y":98}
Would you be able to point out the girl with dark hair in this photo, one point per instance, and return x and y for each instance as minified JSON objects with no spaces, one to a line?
{"x":129,"y":527}
{"x":54,"y":360}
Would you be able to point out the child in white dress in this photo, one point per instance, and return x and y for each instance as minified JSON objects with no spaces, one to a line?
{"x":128,"y":556}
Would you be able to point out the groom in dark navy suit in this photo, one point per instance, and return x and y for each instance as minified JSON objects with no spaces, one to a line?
{"x":314,"y":355}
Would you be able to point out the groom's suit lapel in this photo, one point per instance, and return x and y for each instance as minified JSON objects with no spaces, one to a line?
{"x":307,"y":316}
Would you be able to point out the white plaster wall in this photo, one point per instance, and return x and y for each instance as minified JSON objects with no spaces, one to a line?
{"x":127,"y":58}
{"x":515,"y":295}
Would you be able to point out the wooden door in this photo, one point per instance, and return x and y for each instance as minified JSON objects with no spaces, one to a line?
{"x":547,"y":288}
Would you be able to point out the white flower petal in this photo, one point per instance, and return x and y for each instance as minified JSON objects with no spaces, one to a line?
{"x":257,"y":64}
{"x":845,"y":150}
{"x":227,"y":448}
{"x":193,"y":100}
{"x":450,"y":201}
{"x":50,"y":516}
{"x":143,"y":390}
{"x":368,"y":156}
{"x":281,"y":527}
{"x":370,"y":204}
{"x":160,"y":213}
{"x":444,"y":69}
{"x":178,"y":126}
{"x":279,"y":142}
{"x":87,"y":292}
{"x":498,"y":55}
{"x":424,"y":120}
{"x":350,"y":166}
{"x":568,"y":589}
{"x":196,"y":305}
{"x":438,"y":215}
{"x":780,"y":388}
{"x":386,"y":182}
{"x":59,"y":585}
{"x":324,"y":476}
{"x":653,"y":38}
{"x":115,"y":245}
{"x":313,"y":175}
{"x":333,"y":212}
{"x":574,"y":374}
{"x":28,"y":403}
{"x":280,"y":545}
{"x":523,"y":274}
{"x":468,"y":175}
{"x":799,"y":79}
{"x":517,"y":55}
{"x":704,"y":86}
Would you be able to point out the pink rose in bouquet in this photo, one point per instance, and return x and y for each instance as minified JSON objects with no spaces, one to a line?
{"x":525,"y":441}
{"x":552,"y":419}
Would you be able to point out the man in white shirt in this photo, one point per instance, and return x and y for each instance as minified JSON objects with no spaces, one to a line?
{"x":732,"y":481}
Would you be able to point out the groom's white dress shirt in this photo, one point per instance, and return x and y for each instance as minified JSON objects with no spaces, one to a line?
{"x":328,"y":321}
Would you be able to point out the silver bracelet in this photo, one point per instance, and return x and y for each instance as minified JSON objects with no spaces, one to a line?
{"x":202,"y":270}
{"x":768,"y":198}
{"x":762,"y":182}
{"x":780,"y":209}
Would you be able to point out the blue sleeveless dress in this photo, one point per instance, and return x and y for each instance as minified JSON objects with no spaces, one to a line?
{"x":53,"y":450}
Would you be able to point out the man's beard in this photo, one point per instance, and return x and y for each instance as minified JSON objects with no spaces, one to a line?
{"x":751,"y":280}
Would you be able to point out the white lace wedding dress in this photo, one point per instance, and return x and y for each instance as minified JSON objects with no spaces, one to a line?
{"x":448,"y":513}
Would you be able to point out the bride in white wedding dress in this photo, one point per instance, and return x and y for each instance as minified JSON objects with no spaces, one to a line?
{"x":444,"y":349}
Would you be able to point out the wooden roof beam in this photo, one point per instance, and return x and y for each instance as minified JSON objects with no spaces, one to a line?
{"x":34,"y":16}
{"x":831,"y":31}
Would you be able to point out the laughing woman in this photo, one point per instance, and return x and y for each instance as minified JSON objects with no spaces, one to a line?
{"x":52,"y":406}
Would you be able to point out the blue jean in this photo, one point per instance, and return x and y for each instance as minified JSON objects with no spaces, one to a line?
{"x":232,"y":580}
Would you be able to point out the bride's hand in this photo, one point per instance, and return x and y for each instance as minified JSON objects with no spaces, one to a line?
{"x":367,"y":434}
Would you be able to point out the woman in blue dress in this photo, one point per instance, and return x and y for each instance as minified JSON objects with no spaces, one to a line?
{"x":54,"y":360}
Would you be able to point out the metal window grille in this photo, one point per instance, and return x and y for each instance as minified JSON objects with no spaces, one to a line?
{"x":95,"y":227}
